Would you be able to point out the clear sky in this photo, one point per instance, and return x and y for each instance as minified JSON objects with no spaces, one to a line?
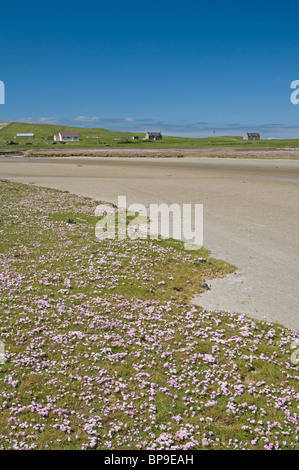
{"x":184,"y":67}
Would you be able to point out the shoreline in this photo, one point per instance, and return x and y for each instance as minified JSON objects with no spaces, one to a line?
{"x":227,"y":152}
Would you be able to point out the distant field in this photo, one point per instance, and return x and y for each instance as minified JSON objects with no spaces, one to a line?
{"x":101,"y":138}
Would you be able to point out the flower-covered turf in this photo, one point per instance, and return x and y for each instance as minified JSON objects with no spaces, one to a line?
{"x":104,"y":350}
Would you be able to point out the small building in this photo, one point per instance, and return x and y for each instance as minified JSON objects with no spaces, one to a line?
{"x":252,"y":136}
{"x":66,"y":137}
{"x":153,"y":136}
{"x":24,"y":136}
{"x":135,"y":137}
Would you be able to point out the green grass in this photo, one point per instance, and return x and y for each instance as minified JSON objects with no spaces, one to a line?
{"x":100,"y":138}
{"x":105,"y":351}
{"x":3,"y":124}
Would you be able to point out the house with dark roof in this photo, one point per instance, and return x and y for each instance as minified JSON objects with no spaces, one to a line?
{"x":153,"y":136}
{"x":252,"y":136}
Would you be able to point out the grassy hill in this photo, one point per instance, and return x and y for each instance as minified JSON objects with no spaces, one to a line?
{"x":97,"y":137}
{"x":43,"y":132}
{"x":3,"y":124}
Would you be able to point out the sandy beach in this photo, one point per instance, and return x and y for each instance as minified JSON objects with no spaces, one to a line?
{"x":251,"y":216}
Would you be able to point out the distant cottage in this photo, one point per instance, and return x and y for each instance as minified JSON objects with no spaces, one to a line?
{"x":153,"y":136}
{"x":66,"y":137}
{"x":25,"y":136}
{"x":252,"y":136}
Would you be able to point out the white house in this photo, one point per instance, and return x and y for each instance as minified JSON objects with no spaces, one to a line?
{"x":24,"y":136}
{"x":66,"y":137}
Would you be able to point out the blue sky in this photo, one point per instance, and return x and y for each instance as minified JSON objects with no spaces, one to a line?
{"x":186,"y":68}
